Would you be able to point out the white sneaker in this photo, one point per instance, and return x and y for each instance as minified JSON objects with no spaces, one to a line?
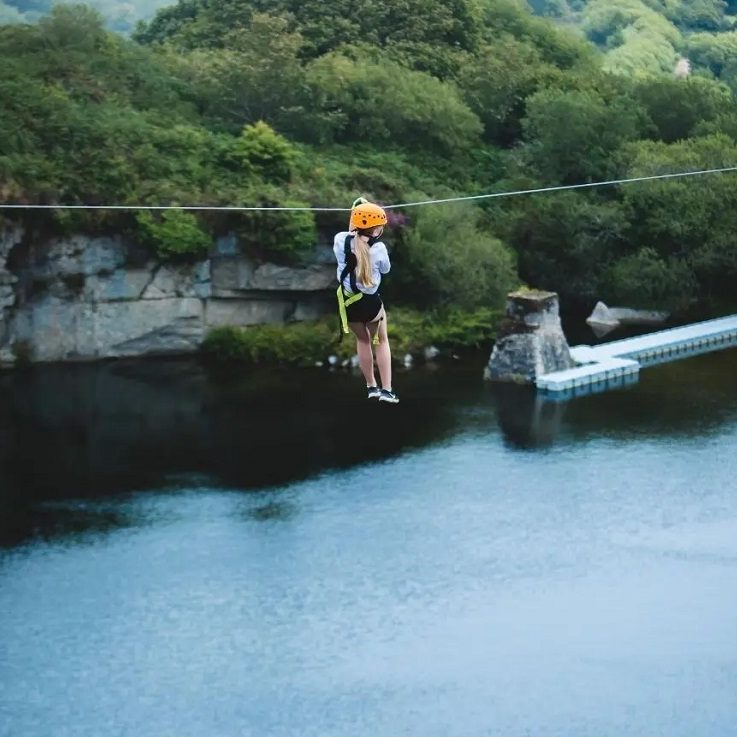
{"x":388,"y":396}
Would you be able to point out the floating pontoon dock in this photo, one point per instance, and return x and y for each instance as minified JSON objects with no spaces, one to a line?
{"x":618,"y":363}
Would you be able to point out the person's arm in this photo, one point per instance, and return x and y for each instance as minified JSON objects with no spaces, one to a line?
{"x":339,"y":251}
{"x":383,"y":261}
{"x":339,"y":248}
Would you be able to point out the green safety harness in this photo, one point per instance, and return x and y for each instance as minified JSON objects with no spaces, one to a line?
{"x":345,"y":300}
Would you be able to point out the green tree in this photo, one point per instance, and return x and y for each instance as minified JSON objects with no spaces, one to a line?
{"x":717,"y":53}
{"x":497,"y":81}
{"x":566,"y":241}
{"x":72,"y":31}
{"x":572,"y":136}
{"x":191,"y":24}
{"x":641,"y":55}
{"x":449,"y":258}
{"x":557,"y":46}
{"x":424,"y":33}
{"x":713,"y":51}
{"x":604,"y":21}
{"x":687,"y":218}
{"x":677,"y":106}
{"x":257,"y":76}
{"x":382,"y":101}
{"x":639,"y":40}
{"x":421,"y":33}
{"x":707,"y":15}
{"x":645,"y":280}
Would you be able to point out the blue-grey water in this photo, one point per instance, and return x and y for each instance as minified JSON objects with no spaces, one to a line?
{"x":192,"y":552}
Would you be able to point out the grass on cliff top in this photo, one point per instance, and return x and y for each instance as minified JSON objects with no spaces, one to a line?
{"x":531,"y":293}
{"x":306,"y":343}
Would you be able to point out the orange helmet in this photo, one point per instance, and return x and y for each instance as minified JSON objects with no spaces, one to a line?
{"x":366,"y":215}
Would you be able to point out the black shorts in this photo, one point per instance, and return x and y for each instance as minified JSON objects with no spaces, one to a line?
{"x":365,"y":309}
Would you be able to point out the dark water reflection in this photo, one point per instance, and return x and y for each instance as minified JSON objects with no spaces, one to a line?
{"x":90,"y":431}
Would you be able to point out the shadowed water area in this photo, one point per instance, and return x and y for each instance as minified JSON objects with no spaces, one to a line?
{"x":201,"y":552}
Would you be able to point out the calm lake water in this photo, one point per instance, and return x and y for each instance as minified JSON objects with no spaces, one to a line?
{"x":191,"y":552}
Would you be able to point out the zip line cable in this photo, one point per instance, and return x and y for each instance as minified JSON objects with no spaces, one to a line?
{"x":238,"y":208}
{"x":566,"y":186}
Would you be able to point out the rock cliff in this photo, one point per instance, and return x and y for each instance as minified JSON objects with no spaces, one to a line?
{"x":86,"y":298}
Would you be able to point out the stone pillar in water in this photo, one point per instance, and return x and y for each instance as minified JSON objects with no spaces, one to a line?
{"x":530,"y":342}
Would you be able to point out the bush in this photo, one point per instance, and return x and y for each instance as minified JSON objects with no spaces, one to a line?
{"x":277,"y":235}
{"x":175,"y":234}
{"x":301,"y":343}
{"x":305,"y":343}
{"x":260,"y":151}
{"x":449,"y":260}
{"x":451,"y":330}
{"x":645,"y":280}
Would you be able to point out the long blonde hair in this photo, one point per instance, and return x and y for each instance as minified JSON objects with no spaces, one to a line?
{"x":364,"y":272}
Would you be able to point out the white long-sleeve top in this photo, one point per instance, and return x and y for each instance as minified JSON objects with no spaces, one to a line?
{"x":380,"y":263}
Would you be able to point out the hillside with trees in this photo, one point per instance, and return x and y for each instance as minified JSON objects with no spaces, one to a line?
{"x":278,"y":102}
{"x":650,"y":36}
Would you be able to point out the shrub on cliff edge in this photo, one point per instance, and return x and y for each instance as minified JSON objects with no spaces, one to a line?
{"x":175,"y":234}
{"x":305,"y":343}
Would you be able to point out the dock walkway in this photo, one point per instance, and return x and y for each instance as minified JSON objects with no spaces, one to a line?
{"x":619,"y":362}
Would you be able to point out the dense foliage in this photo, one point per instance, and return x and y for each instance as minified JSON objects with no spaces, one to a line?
{"x":279,"y":102}
{"x":410,"y":331}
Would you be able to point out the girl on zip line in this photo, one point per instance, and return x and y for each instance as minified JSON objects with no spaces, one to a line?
{"x":362,"y":260}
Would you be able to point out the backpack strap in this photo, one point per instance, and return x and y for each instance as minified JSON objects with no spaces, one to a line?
{"x":350,"y":265}
{"x":344,"y":300}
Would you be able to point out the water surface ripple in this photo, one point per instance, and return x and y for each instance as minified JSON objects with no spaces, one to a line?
{"x":474,"y":561}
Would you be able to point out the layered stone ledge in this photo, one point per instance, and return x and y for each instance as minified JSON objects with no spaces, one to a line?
{"x":85,"y":298}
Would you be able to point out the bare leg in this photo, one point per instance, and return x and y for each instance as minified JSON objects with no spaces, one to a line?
{"x":383,"y":351}
{"x":365,"y":354}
